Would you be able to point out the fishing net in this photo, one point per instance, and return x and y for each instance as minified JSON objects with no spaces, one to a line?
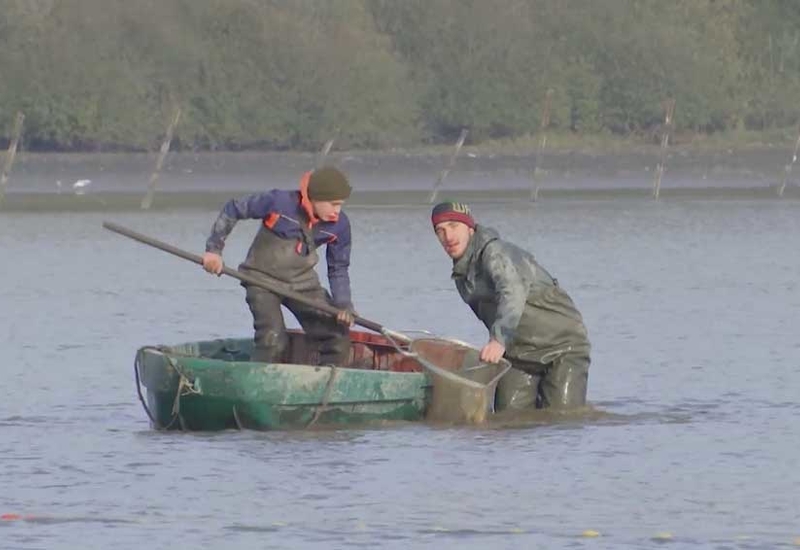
{"x":463,"y":386}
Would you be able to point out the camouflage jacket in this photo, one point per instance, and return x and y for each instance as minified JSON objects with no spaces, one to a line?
{"x":518,"y":300}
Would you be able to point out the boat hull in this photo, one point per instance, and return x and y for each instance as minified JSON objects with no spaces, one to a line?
{"x":193,"y":393}
{"x":212,"y":385}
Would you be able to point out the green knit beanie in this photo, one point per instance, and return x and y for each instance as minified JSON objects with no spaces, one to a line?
{"x":328,"y":184}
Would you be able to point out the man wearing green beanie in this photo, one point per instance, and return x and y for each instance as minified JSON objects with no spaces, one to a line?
{"x":532,"y":321}
{"x":284,"y":251}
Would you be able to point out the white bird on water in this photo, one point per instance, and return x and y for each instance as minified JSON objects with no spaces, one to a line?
{"x":79,"y":187}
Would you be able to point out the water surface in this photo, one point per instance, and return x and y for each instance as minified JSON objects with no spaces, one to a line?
{"x":692,"y":309}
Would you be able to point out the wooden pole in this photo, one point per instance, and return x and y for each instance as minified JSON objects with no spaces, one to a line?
{"x":669,"y":111}
{"x":10,"y":154}
{"x":788,"y":168}
{"x":446,"y":169}
{"x":147,"y":201}
{"x":545,"y":122}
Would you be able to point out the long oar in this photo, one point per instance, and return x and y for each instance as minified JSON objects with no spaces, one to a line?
{"x":256,"y":281}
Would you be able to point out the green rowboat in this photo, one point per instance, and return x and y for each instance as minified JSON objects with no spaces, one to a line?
{"x":212,"y":385}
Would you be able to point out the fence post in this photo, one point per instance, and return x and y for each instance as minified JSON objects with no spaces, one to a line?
{"x":544,"y":123}
{"x":788,"y":168}
{"x":324,"y":152}
{"x":669,"y":110}
{"x":446,"y":169}
{"x":147,"y":201}
{"x":10,"y":154}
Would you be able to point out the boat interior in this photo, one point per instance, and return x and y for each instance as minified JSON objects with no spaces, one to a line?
{"x":368,"y":351}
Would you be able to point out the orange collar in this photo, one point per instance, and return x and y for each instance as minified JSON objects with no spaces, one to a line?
{"x":305,"y":202}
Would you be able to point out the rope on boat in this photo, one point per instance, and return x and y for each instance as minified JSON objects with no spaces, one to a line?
{"x":236,"y":418}
{"x":323,"y":406}
{"x":185,"y":387}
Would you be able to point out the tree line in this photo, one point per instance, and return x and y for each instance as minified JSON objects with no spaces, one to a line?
{"x":274,"y":74}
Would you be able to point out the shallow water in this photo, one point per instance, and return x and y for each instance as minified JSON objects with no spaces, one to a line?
{"x":692,"y":309}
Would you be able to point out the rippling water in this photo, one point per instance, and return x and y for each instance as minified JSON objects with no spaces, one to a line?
{"x":692,"y":308}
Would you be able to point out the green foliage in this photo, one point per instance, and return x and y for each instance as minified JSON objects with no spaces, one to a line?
{"x":108,"y":74}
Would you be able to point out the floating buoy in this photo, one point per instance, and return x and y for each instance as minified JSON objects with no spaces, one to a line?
{"x":662,"y":536}
{"x":590,"y":534}
{"x":10,"y":517}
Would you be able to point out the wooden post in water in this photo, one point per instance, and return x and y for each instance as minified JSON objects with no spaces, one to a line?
{"x":669,"y":110}
{"x":788,"y":169}
{"x":446,"y":169}
{"x":147,"y":201}
{"x":324,"y":152}
{"x":544,"y":123}
{"x":10,"y":154}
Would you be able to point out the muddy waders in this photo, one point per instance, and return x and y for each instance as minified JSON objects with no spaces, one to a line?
{"x":557,"y":385}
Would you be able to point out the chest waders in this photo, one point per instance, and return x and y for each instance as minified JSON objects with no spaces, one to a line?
{"x":290,"y":263}
{"x":554,"y":377}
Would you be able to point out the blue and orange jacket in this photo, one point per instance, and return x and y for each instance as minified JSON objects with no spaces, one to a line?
{"x":289,"y":215}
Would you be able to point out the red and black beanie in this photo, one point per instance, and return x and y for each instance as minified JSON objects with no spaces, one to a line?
{"x":452,"y":212}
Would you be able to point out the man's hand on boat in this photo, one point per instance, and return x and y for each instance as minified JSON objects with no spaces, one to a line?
{"x":346,"y":317}
{"x":213,"y":263}
{"x":492,"y":352}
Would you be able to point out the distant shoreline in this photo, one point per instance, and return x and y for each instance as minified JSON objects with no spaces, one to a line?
{"x":496,"y":172}
{"x":503,"y":166}
{"x":213,"y":200}
{"x":557,"y":143}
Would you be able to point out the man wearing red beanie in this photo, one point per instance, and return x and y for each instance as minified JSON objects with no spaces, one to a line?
{"x":293,"y":225}
{"x":532,"y":321}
